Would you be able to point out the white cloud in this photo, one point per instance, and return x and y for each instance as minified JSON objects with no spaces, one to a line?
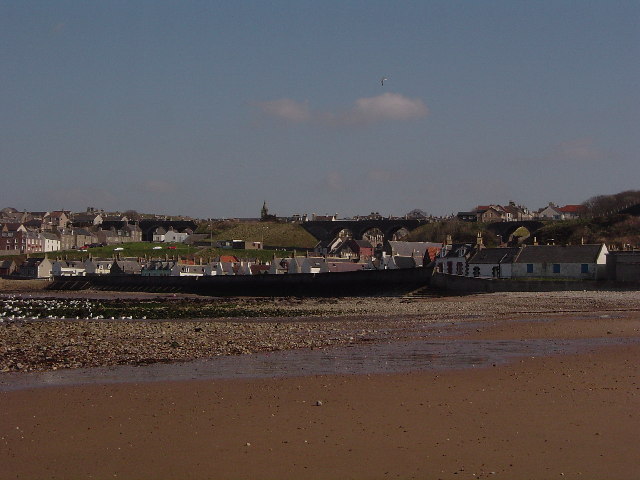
{"x":577,"y":150}
{"x":286,"y":109}
{"x":334,"y":182}
{"x":385,"y":107}
{"x":388,"y":106}
{"x":157,"y":186}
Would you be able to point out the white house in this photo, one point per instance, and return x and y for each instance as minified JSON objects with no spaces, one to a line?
{"x":175,"y":237}
{"x":35,"y":267}
{"x":68,"y":268}
{"x":97,"y":267}
{"x":561,"y":261}
{"x":452,"y":259}
{"x":314,"y":265}
{"x":279,"y":266}
{"x":159,"y":234}
{"x":550,"y":212}
{"x":187,"y":270}
{"x":492,"y":262}
{"x":50,"y":242}
{"x":221,"y":268}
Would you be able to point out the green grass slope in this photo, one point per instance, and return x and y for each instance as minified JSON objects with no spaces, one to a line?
{"x":270,"y":233}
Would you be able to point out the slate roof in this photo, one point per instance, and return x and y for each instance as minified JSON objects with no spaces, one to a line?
{"x":408,"y":249}
{"x":336,"y":267}
{"x":33,"y":261}
{"x":404,"y":262}
{"x":559,"y":254}
{"x":259,"y":269}
{"x":58,"y":213}
{"x":50,"y":236}
{"x":456,"y":250}
{"x":494,"y":256}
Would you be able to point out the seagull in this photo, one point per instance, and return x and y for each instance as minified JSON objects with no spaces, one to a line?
{"x":382,"y":80}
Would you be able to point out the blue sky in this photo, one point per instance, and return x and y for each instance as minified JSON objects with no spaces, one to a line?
{"x":210,"y":108}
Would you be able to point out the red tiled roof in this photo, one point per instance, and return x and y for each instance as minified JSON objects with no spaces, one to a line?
{"x":432,"y":253}
{"x":572,"y":209}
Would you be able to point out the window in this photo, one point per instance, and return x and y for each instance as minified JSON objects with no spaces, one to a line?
{"x":584,"y":268}
{"x":476,"y":271}
{"x":556,"y":268}
{"x":529,"y":267}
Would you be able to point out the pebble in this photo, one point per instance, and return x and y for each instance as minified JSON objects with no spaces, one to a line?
{"x":319,"y":323}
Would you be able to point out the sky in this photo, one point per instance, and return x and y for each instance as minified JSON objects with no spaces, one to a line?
{"x":210,"y":108}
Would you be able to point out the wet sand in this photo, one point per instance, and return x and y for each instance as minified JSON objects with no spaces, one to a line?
{"x":560,"y":416}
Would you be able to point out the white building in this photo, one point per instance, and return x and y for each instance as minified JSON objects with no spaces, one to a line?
{"x":50,"y":242}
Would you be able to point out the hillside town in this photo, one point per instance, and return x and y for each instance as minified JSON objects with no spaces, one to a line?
{"x":38,"y":241}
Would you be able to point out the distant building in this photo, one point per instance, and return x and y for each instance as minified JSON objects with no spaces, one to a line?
{"x":561,"y":261}
{"x":624,"y":266}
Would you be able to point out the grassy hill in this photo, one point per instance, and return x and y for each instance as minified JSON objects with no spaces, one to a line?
{"x":270,"y":233}
{"x":460,"y":232}
{"x":613,"y":230}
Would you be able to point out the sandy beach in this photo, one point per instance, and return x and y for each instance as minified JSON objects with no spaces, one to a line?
{"x":571,"y":415}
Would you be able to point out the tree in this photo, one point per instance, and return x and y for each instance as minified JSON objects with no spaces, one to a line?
{"x":603,"y":205}
{"x":132,"y":215}
{"x":417,"y":214}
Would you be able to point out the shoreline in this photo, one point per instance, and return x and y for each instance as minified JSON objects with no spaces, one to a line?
{"x":571,"y":415}
{"x":53,"y":344}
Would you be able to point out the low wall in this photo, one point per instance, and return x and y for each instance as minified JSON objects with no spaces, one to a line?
{"x":381,"y":282}
{"x":459,"y":284}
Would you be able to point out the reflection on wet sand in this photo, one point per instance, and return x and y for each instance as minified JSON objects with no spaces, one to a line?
{"x":392,"y":357}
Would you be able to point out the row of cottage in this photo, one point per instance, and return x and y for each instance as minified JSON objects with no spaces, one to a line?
{"x":351,"y":258}
{"x":43,"y":267}
{"x":585,"y":262}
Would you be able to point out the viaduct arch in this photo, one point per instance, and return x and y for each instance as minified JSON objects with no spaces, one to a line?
{"x":328,"y":230}
{"x":506,"y":229}
{"x":148,"y":227}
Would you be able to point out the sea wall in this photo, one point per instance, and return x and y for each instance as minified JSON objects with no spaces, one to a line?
{"x":460,"y":284}
{"x":379,"y":282}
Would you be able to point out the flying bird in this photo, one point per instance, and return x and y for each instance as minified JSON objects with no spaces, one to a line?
{"x":382,"y":80}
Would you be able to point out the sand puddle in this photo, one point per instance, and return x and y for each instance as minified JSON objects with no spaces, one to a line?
{"x":371,"y":358}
